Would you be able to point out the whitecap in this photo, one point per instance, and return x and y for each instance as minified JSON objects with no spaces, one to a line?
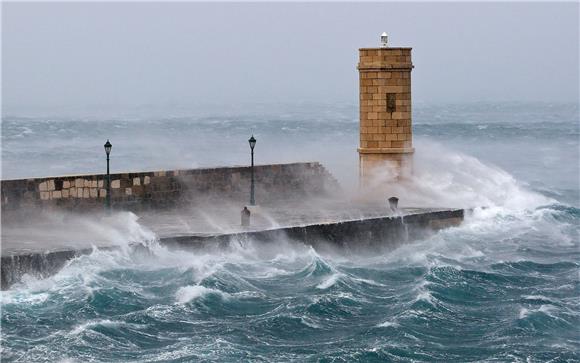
{"x":536,"y":297}
{"x":189,"y":293}
{"x":22,"y":297}
{"x":543,"y":309}
{"x":425,"y":296}
{"x":367,"y":281}
{"x":101,"y":322}
{"x":330,"y":281}
{"x":388,"y":324}
{"x":308,"y":322}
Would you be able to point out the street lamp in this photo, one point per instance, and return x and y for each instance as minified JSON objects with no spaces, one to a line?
{"x":108,"y":148}
{"x":252,"y":142}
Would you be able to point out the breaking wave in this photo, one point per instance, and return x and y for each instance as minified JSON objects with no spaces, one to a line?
{"x":503,"y":286}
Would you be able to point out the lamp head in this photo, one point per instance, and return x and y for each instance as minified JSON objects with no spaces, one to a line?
{"x":108,"y":147}
{"x":252,"y":142}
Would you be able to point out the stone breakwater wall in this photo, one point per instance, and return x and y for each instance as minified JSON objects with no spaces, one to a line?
{"x":167,"y":188}
{"x":364,"y":235}
{"x":361,"y":235}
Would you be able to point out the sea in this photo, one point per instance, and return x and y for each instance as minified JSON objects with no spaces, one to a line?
{"x":501,"y":287}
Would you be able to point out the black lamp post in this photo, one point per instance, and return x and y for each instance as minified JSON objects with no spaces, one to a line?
{"x":252,"y":142}
{"x":108,"y":148}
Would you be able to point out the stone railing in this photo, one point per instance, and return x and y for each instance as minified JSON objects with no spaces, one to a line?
{"x":164,"y":189}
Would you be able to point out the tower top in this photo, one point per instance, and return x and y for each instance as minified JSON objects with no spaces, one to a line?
{"x":384,"y":40}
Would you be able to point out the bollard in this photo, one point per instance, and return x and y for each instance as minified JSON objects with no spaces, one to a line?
{"x":246,"y":217}
{"x":393,"y":203}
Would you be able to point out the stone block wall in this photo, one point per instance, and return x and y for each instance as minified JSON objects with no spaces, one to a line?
{"x":167,"y":188}
{"x":385,"y":108}
{"x":385,"y":98}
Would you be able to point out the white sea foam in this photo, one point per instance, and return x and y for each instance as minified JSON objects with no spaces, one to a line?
{"x":100,"y":322}
{"x":366,"y":281}
{"x":425,"y":296}
{"x":388,"y":324}
{"x":445,"y":178}
{"x":189,"y":293}
{"x":535,"y":297}
{"x":309,"y":322}
{"x":22,"y":297}
{"x":329,"y":281}
{"x":524,"y":313}
{"x":543,"y":309}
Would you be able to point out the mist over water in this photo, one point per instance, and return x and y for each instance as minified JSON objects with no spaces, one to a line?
{"x":503,"y":286}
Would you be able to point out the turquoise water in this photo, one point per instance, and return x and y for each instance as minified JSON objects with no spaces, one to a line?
{"x":502,"y":287}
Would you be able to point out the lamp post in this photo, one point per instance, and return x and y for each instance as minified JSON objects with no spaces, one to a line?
{"x":252,"y":142}
{"x":108,"y":148}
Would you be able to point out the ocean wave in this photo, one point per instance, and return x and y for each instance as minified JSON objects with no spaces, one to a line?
{"x":81,"y":328}
{"x":329,"y":281}
{"x":189,"y":293}
{"x":388,"y":324}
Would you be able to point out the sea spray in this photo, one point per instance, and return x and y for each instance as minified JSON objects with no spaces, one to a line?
{"x":166,"y":301}
{"x":503,"y":286}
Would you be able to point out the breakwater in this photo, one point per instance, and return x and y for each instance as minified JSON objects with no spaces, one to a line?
{"x":354,"y":235}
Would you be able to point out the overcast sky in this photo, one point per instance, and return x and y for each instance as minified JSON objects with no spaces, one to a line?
{"x":58,"y":57}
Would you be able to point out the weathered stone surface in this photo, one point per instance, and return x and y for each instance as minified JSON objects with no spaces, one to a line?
{"x":385,"y":111}
{"x":163,"y":189}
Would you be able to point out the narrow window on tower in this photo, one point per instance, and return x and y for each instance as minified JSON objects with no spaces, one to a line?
{"x":391,"y":102}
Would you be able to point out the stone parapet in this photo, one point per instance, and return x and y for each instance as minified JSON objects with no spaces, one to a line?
{"x":166,"y":188}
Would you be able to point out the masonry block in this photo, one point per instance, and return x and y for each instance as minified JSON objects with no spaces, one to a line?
{"x":385,"y":129}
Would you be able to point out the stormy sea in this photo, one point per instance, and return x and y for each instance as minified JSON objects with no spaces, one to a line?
{"x":501,"y":287}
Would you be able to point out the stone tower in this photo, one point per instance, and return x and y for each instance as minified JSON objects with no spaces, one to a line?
{"x":386,"y":145}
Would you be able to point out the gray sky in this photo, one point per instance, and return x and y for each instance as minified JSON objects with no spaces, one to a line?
{"x":74,"y":57}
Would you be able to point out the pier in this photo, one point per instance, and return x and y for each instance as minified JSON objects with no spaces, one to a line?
{"x":42,"y":244}
{"x":48,"y":221}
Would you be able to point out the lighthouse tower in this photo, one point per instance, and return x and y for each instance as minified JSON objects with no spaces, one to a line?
{"x":386,"y":139}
